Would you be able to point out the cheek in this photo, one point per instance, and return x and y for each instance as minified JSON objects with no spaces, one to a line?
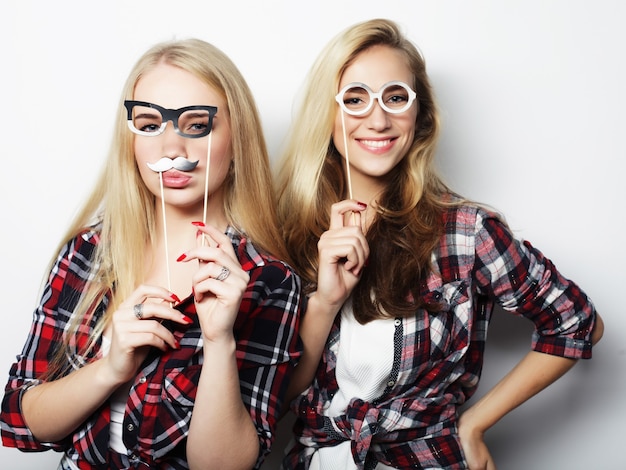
{"x":143,"y":149}
{"x":410,"y":132}
{"x":408,"y":126}
{"x":221,"y":148}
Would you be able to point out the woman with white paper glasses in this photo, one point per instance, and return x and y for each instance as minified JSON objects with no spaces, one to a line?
{"x":167,"y":328}
{"x":402,"y":275}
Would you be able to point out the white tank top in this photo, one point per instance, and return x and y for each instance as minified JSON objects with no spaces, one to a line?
{"x":364,"y":361}
{"x":118,"y":405}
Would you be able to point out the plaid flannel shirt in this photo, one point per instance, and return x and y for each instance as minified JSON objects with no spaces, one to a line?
{"x":162,"y":395}
{"x":438,"y":357}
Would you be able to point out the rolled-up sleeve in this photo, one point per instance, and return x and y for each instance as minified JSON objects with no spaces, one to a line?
{"x":33,"y":362}
{"x":59,"y":294}
{"x":523,"y":281}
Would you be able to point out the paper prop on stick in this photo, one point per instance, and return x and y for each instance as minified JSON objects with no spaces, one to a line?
{"x":165,"y":164}
{"x":192,"y":122}
{"x":178,"y":163}
{"x":357,"y":99}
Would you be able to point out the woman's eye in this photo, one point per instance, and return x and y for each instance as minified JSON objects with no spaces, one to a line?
{"x":398,"y":99}
{"x":151,"y":127}
{"x":195,"y":127}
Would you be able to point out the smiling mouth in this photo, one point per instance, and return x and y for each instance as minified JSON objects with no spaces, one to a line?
{"x":376,"y":143}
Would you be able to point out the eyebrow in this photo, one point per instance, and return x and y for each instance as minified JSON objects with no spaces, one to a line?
{"x":147,"y":114}
{"x":197,"y":112}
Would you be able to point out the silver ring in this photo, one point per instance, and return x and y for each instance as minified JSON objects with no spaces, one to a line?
{"x":224,"y":273}
{"x":138,"y":311}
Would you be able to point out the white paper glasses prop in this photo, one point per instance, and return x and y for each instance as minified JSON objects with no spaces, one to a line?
{"x":193,"y":122}
{"x":357,"y":99}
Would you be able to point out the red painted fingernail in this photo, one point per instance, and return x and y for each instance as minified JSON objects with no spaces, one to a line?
{"x":198,"y":224}
{"x":176,"y":345}
{"x":174,"y":297}
{"x":362,"y":204}
{"x":181,"y":257}
{"x":187,"y":320}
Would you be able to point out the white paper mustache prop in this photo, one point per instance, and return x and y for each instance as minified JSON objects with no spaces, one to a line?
{"x":178,"y":163}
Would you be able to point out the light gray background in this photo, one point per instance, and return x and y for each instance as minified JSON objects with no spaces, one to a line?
{"x":533,"y":102}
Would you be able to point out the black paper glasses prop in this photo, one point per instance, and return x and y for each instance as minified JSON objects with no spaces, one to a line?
{"x":357,"y":99}
{"x":150,"y":119}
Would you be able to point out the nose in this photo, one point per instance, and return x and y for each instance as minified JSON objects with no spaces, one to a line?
{"x":173,"y":143}
{"x":378,"y":119}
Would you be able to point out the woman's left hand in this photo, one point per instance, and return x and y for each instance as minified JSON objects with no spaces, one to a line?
{"x":219,"y":283}
{"x":476,"y":452}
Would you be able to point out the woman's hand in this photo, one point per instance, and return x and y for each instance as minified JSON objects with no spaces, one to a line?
{"x":219,"y":283}
{"x":474,"y":447}
{"x":343,"y":252}
{"x":136,"y":326}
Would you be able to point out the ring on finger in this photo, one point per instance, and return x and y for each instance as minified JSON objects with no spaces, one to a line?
{"x":224,"y":273}
{"x":138,"y":311}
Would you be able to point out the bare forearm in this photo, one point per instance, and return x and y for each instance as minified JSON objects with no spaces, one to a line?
{"x":533,"y":373}
{"x":221,"y":433}
{"x":55,"y":409}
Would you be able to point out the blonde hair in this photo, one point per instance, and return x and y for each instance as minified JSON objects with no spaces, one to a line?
{"x":125,"y":209}
{"x":311,"y":176}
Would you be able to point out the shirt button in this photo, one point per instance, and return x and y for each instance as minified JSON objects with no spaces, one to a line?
{"x":397,"y":322}
{"x":142,"y":379}
{"x":130,"y":427}
{"x":391,"y":383}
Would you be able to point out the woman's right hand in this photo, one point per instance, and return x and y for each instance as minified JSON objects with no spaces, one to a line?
{"x":55,"y":409}
{"x":343,"y":253}
{"x":132,"y":335}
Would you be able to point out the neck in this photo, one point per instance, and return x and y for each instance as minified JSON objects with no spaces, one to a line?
{"x":175,"y":235}
{"x":175,"y":223}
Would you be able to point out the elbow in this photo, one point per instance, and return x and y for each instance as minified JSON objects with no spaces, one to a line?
{"x":598,"y":330}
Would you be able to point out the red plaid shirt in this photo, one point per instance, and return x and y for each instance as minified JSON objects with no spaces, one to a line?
{"x":162,"y":396}
{"x":438,"y":357}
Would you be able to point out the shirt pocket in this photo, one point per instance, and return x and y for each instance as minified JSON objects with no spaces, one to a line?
{"x":180,"y":385}
{"x":448,"y":328}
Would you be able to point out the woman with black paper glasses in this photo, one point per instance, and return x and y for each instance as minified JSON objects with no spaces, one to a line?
{"x":167,"y":327}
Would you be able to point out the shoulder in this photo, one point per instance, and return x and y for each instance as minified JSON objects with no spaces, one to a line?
{"x":460,"y":210}
{"x":468,"y":228}
{"x":90,"y":235}
{"x":82,"y":245}
{"x":463,"y":217}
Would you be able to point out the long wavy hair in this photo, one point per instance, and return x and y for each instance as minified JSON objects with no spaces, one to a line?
{"x":124,"y":208}
{"x":311,"y":177}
